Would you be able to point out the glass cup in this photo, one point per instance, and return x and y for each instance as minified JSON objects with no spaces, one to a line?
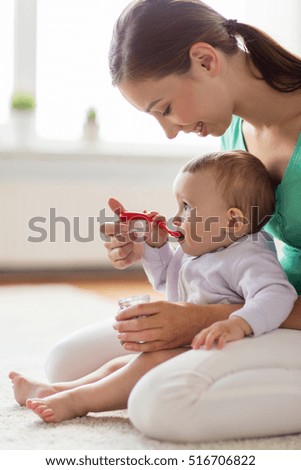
{"x":134,"y":300}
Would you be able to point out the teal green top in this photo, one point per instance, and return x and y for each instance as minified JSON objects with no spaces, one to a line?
{"x":285,"y":224}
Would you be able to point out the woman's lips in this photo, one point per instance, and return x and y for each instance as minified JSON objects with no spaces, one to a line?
{"x":201,"y":130}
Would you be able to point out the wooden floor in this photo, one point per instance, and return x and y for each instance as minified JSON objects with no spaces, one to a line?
{"x":115,"y":289}
{"x":110,"y":285}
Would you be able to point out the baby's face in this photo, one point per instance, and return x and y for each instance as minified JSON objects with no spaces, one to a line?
{"x":203,"y":213}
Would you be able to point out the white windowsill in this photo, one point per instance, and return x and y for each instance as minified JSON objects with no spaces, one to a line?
{"x":35,"y":148}
{"x":84,"y":150}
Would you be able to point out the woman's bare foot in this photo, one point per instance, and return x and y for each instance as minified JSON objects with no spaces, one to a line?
{"x":25,"y":388}
{"x":57,"y":408}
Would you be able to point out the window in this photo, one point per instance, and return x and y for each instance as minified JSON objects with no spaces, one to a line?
{"x":72,"y":42}
{"x":278,"y":18}
{"x":72,"y":72}
{"x":73,"y":39}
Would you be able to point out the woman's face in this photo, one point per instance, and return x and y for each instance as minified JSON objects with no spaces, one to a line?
{"x":194,"y":102}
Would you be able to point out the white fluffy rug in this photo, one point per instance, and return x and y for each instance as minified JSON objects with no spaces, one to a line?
{"x":32,"y":320}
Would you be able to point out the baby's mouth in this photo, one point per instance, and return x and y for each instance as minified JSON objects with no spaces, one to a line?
{"x":181,"y":238}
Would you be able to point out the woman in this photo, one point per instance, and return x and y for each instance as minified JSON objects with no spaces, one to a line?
{"x":193,"y":70}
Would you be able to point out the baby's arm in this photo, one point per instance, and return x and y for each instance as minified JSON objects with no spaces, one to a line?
{"x":269,"y":298}
{"x":156,"y":253}
{"x":155,"y":263}
{"x":222,"y":332}
{"x":260,"y":280}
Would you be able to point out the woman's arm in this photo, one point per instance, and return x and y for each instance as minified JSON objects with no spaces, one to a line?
{"x":294,"y":320}
{"x":166,"y":325}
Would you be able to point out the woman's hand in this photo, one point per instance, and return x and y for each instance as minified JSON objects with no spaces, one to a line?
{"x":166,"y":325}
{"x":155,"y":326}
{"x":122,"y":245}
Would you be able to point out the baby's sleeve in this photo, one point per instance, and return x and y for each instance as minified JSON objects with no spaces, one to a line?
{"x":155,"y":263}
{"x":269,"y":297}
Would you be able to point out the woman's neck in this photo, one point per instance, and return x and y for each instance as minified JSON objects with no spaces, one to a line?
{"x":255,"y":101}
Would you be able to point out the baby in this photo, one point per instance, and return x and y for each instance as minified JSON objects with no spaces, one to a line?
{"x":224,"y":200}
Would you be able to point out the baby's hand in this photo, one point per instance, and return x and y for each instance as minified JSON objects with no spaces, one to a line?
{"x":222,"y":332}
{"x":155,"y":236}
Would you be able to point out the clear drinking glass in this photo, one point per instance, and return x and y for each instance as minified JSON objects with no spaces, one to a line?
{"x":134,"y":300}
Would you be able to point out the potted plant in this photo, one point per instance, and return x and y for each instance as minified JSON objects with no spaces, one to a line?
{"x":23,"y":105}
{"x":91,"y":126}
{"x":23,"y":102}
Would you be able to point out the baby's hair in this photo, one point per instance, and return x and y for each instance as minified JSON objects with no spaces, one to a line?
{"x":243,"y":181}
{"x":152,"y":39}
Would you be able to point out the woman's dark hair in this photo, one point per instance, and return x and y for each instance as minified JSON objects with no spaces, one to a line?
{"x":152,"y":39}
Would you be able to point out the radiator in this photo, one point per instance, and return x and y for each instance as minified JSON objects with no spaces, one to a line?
{"x":50,"y":210}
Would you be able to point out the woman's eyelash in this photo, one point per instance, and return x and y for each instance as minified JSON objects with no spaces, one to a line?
{"x":167,"y":111}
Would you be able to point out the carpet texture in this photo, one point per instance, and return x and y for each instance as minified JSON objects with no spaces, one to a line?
{"x":32,"y":320}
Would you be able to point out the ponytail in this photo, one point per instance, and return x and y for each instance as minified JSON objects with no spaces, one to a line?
{"x":278,"y":67}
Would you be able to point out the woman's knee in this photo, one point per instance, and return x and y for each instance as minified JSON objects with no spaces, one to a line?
{"x":194,"y":396}
{"x":58,"y":365}
{"x":144,"y":403}
{"x":68,"y":361}
{"x":83,"y":352}
{"x":174,"y":400}
{"x":164,"y":401}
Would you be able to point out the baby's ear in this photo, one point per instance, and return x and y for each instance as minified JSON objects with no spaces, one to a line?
{"x":237,"y":222}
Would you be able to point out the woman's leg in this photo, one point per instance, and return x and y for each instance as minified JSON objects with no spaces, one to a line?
{"x":109,"y":393}
{"x":251,"y":388}
{"x":83,"y":352}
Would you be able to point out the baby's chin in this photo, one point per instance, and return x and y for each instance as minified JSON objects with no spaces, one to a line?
{"x":192,"y":250}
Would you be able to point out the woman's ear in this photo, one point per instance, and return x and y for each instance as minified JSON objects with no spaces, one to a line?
{"x":206,"y":56}
{"x":237,"y":222}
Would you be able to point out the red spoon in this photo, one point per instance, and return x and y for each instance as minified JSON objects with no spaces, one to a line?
{"x":126,"y":216}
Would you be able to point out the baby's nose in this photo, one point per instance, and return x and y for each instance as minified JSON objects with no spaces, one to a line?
{"x":177,"y":220}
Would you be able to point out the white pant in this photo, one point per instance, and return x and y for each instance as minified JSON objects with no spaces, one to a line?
{"x":251,"y":388}
{"x":83,"y":352}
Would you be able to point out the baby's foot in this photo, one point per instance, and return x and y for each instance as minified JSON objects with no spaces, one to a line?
{"x":26,"y":388}
{"x":57,"y":408}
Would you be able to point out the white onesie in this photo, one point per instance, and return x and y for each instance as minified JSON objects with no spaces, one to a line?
{"x":245,"y":272}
